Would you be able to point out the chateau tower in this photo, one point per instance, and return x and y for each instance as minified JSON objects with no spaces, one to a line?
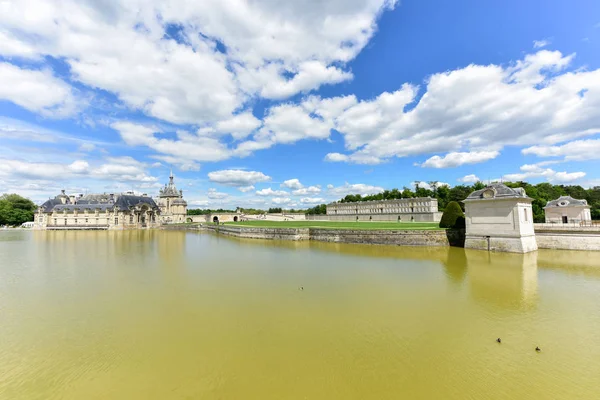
{"x":173,"y":208}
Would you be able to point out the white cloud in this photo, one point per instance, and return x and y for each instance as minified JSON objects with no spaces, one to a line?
{"x":355,"y":188}
{"x":292,"y":184}
{"x":538,"y":44}
{"x":239,"y":126}
{"x":307,"y":190}
{"x":281,"y":200}
{"x":472,"y":178}
{"x":577,"y":150}
{"x":271,"y":192}
{"x":194,"y":61}
{"x":475,"y":109}
{"x":37,"y":91}
{"x":236,"y":177}
{"x":198,"y":203}
{"x":312,"y":200}
{"x":87,"y":147}
{"x":456,"y":159}
{"x":116,"y":169}
{"x":534,"y":171}
{"x":183,"y":152}
{"x":246,"y":189}
{"x":213,"y":194}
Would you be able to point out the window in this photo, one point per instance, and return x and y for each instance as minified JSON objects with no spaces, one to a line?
{"x":131,"y":219}
{"x":65,"y":221}
{"x":525,"y":212}
{"x":54,"y":221}
{"x":75,"y":221}
{"x":86,"y":220}
{"x":116,"y":221}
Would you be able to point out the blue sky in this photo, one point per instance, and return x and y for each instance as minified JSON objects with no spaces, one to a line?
{"x":262,"y":104}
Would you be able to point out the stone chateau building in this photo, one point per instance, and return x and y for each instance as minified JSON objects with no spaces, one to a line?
{"x":566,"y":209}
{"x":420,"y":209}
{"x":112,"y":211}
{"x":499,"y":218}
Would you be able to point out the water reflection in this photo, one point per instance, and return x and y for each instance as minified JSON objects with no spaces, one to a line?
{"x":455,"y":265}
{"x":502,"y":279}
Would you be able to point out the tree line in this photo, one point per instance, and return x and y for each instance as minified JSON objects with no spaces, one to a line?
{"x":14,"y":209}
{"x":541,"y":193}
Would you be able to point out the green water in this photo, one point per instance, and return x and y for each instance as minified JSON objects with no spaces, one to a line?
{"x":181,"y":315}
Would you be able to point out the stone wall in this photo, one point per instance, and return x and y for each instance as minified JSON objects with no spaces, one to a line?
{"x":388,"y":237}
{"x":262,"y":233}
{"x":562,"y":237}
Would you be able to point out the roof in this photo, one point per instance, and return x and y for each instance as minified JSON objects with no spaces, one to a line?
{"x":81,"y":207}
{"x":49,"y":205}
{"x":124,"y":201}
{"x":497,"y":191}
{"x":95,"y":199}
{"x":566,"y":201}
{"x":99,"y":202}
{"x":179,"y":201}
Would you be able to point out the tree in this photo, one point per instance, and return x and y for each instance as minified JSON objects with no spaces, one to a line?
{"x":453,"y":216}
{"x":14,"y":209}
{"x":317,"y":210}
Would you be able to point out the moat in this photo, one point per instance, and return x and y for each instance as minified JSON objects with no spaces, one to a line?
{"x":150,"y":314}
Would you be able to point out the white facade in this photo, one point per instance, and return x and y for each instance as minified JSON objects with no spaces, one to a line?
{"x":421,"y":209}
{"x":173,"y":208}
{"x":566,"y":210}
{"x":499,"y":218}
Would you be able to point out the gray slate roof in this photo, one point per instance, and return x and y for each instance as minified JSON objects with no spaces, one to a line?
{"x":99,"y":202}
{"x":501,"y":191}
{"x":566,"y":201}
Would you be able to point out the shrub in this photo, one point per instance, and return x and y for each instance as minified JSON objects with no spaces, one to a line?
{"x":453,"y":216}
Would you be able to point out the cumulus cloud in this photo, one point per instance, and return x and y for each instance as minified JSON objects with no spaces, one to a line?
{"x":307,"y":190}
{"x":577,"y":150}
{"x":353,"y":188}
{"x":535,"y":171}
{"x":472,"y":178}
{"x":116,"y":169}
{"x":271,"y":192}
{"x":451,"y":160}
{"x":236,"y":177}
{"x":281,"y":200}
{"x":312,"y":200}
{"x":246,"y":189}
{"x":191,"y":62}
{"x":213,"y":194}
{"x":292,"y":184}
{"x":184,"y":151}
{"x":477,"y":108}
{"x":37,"y":90}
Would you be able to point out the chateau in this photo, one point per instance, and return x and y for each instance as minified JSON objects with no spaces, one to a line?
{"x":420,"y":209}
{"x":112,"y":211}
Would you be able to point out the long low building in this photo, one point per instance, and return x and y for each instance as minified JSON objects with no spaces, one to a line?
{"x":420,"y":209}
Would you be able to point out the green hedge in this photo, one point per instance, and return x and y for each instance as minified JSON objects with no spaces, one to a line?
{"x":453,"y":216}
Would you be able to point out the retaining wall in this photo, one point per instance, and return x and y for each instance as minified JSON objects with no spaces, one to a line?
{"x":559,"y":237}
{"x":388,"y":237}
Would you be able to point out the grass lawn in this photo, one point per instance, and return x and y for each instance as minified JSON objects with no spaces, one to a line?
{"x":338,"y":225}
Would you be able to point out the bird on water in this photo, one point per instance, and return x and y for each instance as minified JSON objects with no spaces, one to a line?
{"x":538,"y":349}
{"x":499,"y":340}
{"x":301,"y":287}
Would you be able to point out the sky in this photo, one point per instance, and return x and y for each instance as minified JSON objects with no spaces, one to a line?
{"x":265,"y":103}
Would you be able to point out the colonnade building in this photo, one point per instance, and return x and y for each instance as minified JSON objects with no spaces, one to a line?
{"x":420,"y":209}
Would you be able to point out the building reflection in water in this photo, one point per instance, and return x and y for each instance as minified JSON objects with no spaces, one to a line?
{"x":455,"y":265}
{"x":503,"y":279}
